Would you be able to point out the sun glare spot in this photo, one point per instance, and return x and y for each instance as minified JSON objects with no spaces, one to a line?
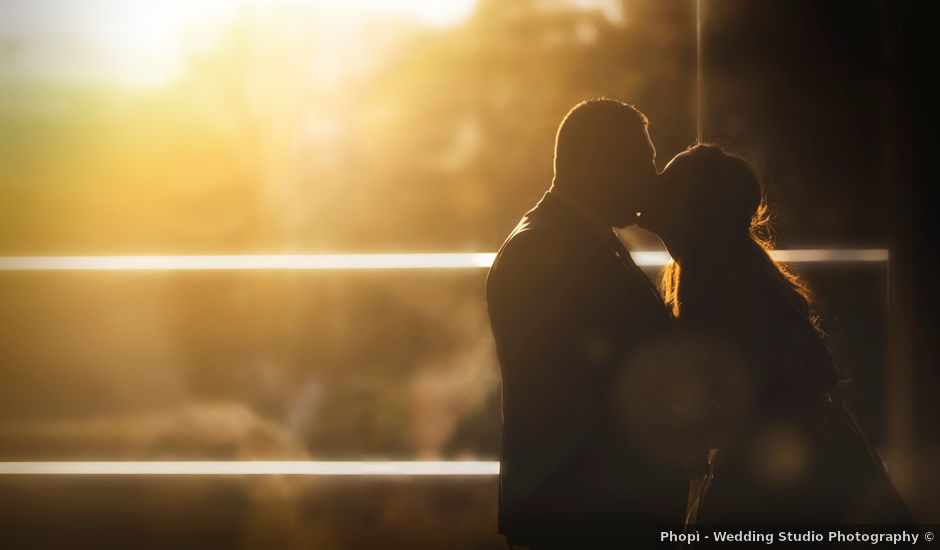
{"x":144,"y":43}
{"x":435,"y":13}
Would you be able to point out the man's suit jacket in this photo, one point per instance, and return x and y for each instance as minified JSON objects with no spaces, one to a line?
{"x":567,"y":308}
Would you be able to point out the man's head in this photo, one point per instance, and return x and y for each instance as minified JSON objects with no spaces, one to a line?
{"x":604,"y":158}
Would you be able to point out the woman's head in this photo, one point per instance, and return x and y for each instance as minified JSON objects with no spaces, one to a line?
{"x":711,"y":202}
{"x":706,"y":196}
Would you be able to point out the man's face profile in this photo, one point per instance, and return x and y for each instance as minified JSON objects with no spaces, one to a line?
{"x":638,"y":179}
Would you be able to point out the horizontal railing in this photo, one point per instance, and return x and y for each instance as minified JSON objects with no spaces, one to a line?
{"x":470,"y":260}
{"x":255,"y":467}
{"x":315,"y":262}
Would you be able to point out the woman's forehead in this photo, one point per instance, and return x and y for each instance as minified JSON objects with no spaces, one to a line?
{"x":675,"y":162}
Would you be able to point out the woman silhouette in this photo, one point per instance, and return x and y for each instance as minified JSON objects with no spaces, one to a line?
{"x":788,"y":450}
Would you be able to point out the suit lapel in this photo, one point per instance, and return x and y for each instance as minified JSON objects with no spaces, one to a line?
{"x":632,"y":271}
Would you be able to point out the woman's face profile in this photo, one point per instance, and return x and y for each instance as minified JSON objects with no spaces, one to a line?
{"x":671,"y":214}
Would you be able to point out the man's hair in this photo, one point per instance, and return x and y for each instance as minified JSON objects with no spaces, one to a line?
{"x":594,"y":136}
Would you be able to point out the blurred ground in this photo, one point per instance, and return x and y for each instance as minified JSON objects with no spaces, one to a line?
{"x":252,"y":512}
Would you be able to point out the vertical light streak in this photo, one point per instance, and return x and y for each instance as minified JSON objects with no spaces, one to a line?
{"x":698,"y":70}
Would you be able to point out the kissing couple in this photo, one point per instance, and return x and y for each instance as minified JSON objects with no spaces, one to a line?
{"x":713,"y":400}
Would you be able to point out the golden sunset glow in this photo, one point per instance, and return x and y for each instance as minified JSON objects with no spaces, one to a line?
{"x":246,"y":296}
{"x":142,"y":44}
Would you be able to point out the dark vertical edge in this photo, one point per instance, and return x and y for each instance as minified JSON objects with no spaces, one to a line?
{"x":898,"y":177}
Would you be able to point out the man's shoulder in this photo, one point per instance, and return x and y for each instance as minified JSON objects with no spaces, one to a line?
{"x":526,"y":248}
{"x":547,"y":240}
{"x":536,"y":246}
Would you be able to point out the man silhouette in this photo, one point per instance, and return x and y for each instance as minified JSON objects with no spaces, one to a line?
{"x":567,"y":306}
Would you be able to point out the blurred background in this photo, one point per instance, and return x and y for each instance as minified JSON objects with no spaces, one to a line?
{"x":135,"y":127}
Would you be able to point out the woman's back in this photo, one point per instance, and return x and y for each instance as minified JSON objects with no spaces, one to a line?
{"x":787,"y":449}
{"x":785,"y":457}
{"x":738,"y":296}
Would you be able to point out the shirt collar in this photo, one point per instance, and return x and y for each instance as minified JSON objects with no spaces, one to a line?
{"x":595,"y":223}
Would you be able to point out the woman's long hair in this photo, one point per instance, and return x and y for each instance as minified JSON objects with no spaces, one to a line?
{"x":716,"y":163}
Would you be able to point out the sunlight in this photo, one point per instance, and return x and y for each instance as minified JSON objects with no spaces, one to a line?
{"x":150,"y":33}
{"x":141,"y":43}
{"x":435,"y":13}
